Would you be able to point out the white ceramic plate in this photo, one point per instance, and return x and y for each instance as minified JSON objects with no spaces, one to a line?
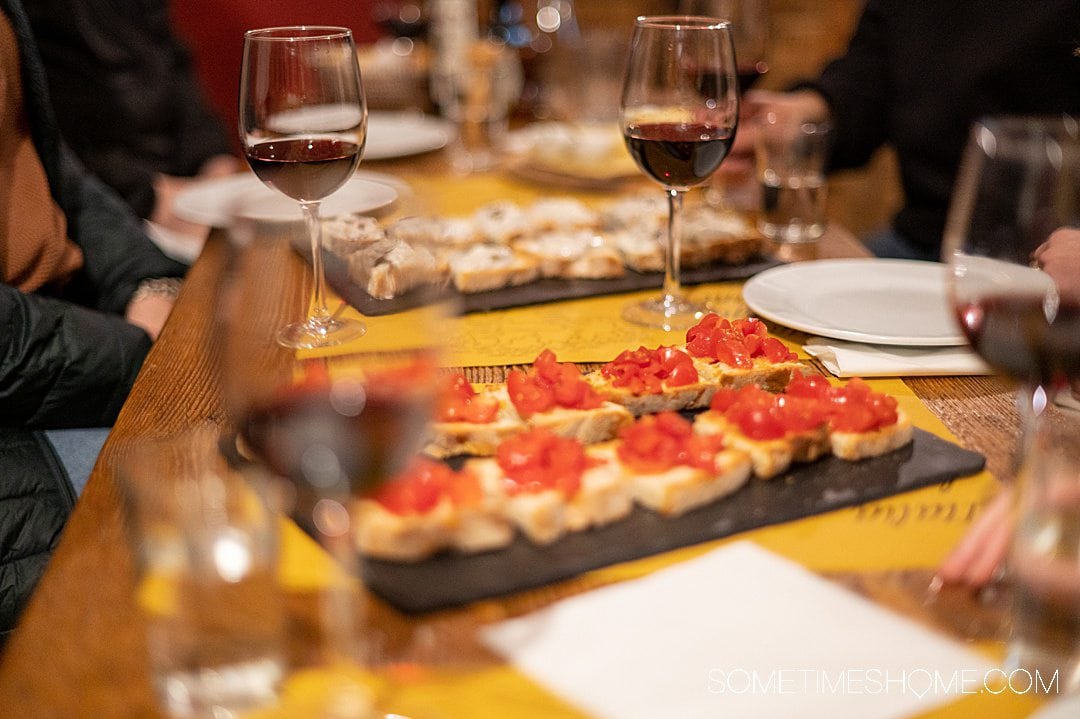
{"x":400,"y":134}
{"x":888,"y":302}
{"x":211,"y":202}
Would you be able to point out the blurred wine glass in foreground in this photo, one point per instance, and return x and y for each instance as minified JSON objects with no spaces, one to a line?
{"x":303,"y":124}
{"x":680,"y":107}
{"x":1019,"y":182}
{"x":330,"y":425}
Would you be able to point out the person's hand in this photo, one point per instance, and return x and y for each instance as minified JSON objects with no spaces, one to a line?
{"x":1059,"y":257}
{"x":977,"y":560}
{"x":167,"y":187}
{"x":149,"y":311}
{"x":756,"y":104}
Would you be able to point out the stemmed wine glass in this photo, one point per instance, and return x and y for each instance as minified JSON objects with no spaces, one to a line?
{"x":1019,"y":182}
{"x":679,"y":111}
{"x":303,"y":124}
{"x":329,"y":426}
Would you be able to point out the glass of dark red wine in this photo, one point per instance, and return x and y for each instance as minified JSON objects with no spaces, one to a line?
{"x":679,"y":111}
{"x":303,"y":123}
{"x":1017,"y":194}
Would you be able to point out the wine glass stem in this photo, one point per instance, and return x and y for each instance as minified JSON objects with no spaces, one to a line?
{"x":673,"y":258}
{"x":319,"y":315}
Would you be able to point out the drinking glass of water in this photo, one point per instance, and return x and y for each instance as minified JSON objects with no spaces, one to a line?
{"x":791,"y":167}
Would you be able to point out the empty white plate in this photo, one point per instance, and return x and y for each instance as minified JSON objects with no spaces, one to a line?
{"x":879,"y":301}
{"x":212,"y":202}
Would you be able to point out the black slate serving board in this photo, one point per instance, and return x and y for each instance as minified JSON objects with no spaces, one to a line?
{"x":545,"y":290}
{"x":450,"y":579}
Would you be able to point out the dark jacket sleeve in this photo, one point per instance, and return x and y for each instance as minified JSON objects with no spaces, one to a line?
{"x":117,"y":254}
{"x":62,"y":365}
{"x":857,"y":88}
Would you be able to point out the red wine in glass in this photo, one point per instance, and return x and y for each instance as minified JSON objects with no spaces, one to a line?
{"x":304,"y":168}
{"x":679,"y":112}
{"x":1027,"y":337}
{"x":677,"y":155}
{"x":334,"y":441}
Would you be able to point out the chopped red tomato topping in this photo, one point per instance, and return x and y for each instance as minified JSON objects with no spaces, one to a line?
{"x":538,"y":460}
{"x":762,"y":415}
{"x":853,"y":407}
{"x":423,"y":484}
{"x":550,"y":384}
{"x":659,"y":442}
{"x":645,"y":371}
{"x":735,"y":343}
{"x":459,"y":402}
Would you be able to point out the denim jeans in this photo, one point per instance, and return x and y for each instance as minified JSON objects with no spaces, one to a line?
{"x":77,"y":450}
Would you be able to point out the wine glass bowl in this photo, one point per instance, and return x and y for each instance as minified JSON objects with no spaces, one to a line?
{"x":1019,"y":182}
{"x":303,"y":125}
{"x":679,"y":112}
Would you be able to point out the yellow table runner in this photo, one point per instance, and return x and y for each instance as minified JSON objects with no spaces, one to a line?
{"x":906,"y":531}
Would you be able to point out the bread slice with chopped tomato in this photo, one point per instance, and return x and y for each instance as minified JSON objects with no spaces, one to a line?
{"x":647,"y":381}
{"x":475,"y":432}
{"x":550,"y":485}
{"x":862,"y":423}
{"x":737,"y":353}
{"x":671,"y":470}
{"x":775,"y":430}
{"x":428,"y":508}
{"x":555,"y":397}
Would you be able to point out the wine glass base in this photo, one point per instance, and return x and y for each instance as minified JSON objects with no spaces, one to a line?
{"x":312,"y":333}
{"x":666,"y":313}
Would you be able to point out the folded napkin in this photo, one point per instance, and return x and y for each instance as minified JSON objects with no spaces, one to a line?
{"x":853,"y":359}
{"x":738,"y":632}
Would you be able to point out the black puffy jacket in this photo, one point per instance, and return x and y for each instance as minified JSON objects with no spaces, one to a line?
{"x":65,"y":361}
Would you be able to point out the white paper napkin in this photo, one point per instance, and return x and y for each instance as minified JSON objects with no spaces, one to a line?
{"x":739,"y":632}
{"x":853,"y":359}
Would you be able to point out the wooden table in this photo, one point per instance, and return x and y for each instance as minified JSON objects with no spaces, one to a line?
{"x":78,"y":651}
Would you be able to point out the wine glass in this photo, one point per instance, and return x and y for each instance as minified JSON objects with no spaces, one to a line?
{"x":303,"y":124}
{"x":329,"y":424}
{"x":679,"y":111}
{"x":1019,"y":182}
{"x":749,"y":31}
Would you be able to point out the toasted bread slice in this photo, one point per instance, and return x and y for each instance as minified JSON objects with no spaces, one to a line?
{"x":402,"y":537}
{"x":579,"y":253}
{"x":854,"y":446}
{"x":544,"y":516}
{"x":769,"y":457}
{"x":489,"y":267}
{"x":690,"y":396}
{"x":588,"y":426}
{"x":451,"y":439}
{"x":541,"y":516}
{"x":682,"y":488}
{"x":771,"y":376}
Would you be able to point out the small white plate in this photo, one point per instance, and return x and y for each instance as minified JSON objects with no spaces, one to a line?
{"x":401,"y":134}
{"x":878,"y":301}
{"x":211,"y":202}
